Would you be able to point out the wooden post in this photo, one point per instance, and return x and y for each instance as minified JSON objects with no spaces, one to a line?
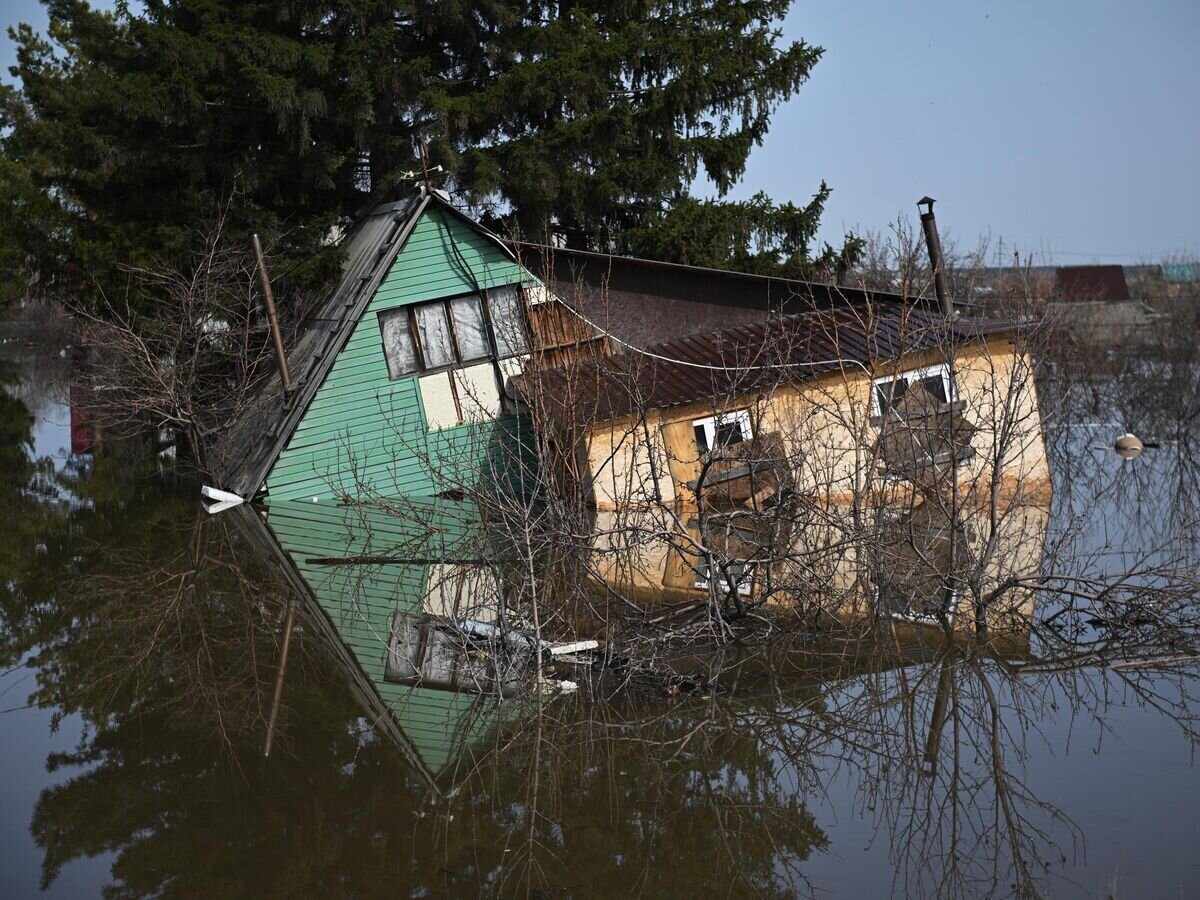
{"x":269,"y":298}
{"x":283,"y":658}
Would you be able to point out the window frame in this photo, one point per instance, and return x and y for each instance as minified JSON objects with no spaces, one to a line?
{"x":711,"y":423}
{"x":915,"y":618}
{"x":744,"y":584}
{"x":409,"y":312}
{"x":918,"y":374}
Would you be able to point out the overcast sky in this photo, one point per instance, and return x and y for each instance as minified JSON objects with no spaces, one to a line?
{"x":1067,"y":128}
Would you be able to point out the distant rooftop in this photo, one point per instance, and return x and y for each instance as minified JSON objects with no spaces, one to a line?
{"x":1088,"y":283}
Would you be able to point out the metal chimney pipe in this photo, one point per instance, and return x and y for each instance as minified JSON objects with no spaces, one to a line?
{"x":934,"y":244}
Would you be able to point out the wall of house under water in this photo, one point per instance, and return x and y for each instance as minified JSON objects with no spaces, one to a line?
{"x":832,"y":568}
{"x":827,"y":429}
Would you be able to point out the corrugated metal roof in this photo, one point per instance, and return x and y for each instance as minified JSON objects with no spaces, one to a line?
{"x":648,"y":301}
{"x":739,"y":360}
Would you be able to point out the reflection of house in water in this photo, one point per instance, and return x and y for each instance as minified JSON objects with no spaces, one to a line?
{"x":923,"y":568}
{"x":911,"y":567}
{"x":388,"y":588}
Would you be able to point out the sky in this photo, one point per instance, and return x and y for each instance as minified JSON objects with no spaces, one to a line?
{"x":1066,"y":128}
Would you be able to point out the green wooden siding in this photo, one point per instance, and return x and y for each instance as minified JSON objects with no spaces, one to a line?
{"x":360,"y":601}
{"x":365,"y":430}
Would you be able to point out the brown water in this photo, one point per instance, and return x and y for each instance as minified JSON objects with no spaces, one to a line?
{"x":140,"y":643}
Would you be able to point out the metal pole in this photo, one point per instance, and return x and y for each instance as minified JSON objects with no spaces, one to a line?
{"x":934,"y":244}
{"x":269,"y":298}
{"x":283,"y":658}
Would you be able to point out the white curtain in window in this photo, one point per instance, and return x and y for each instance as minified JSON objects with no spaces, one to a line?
{"x":398,"y":343}
{"x":433,"y":330}
{"x":468,"y":326}
{"x":507,"y":321}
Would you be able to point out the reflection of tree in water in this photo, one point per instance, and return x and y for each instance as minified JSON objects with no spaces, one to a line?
{"x":167,"y":647}
{"x":172,"y":673}
{"x":169,"y":665}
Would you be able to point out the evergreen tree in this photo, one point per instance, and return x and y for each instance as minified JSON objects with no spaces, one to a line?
{"x":589,"y":120}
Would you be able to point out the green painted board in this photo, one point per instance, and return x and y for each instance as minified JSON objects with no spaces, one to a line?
{"x":364,"y":431}
{"x":361,"y":599}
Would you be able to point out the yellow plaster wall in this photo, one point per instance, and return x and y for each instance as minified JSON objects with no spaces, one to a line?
{"x":826,"y":426}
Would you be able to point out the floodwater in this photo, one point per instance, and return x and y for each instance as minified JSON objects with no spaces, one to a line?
{"x":141,"y":641}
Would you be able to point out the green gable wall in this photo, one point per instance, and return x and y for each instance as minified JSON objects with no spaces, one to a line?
{"x":363,"y":430}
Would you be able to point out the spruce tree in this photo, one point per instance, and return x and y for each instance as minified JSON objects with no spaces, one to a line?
{"x":124,"y":132}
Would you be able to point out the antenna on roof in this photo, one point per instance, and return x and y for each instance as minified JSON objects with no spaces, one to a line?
{"x":425,"y":177}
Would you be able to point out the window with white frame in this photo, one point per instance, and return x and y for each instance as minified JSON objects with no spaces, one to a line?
{"x":913,"y":608}
{"x":443,"y":334}
{"x":935,"y":380}
{"x":721,"y":430}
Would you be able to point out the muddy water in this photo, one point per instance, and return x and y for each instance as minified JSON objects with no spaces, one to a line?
{"x":140,"y":643}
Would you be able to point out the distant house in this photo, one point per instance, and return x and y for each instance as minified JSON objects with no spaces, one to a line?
{"x":1088,"y":284}
{"x":1094,"y":305}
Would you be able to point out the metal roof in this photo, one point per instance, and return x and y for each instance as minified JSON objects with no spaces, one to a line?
{"x":649,"y":301}
{"x":740,"y":360}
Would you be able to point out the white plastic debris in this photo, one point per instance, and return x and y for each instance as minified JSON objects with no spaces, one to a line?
{"x":221,"y":500}
{"x":573,"y":647}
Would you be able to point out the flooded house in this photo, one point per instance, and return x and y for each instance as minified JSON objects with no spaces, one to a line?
{"x":706,"y":416}
{"x":399,"y":384}
{"x":737,"y":459}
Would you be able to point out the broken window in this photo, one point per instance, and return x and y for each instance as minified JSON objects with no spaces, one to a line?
{"x":722,"y":430}
{"x":920,"y":420}
{"x":934,"y":381}
{"x":446,"y":333}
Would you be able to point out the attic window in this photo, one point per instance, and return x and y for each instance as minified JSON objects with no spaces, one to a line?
{"x":445,"y":334}
{"x":722,"y":430}
{"x":935,"y":380}
{"x":433,"y":332}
